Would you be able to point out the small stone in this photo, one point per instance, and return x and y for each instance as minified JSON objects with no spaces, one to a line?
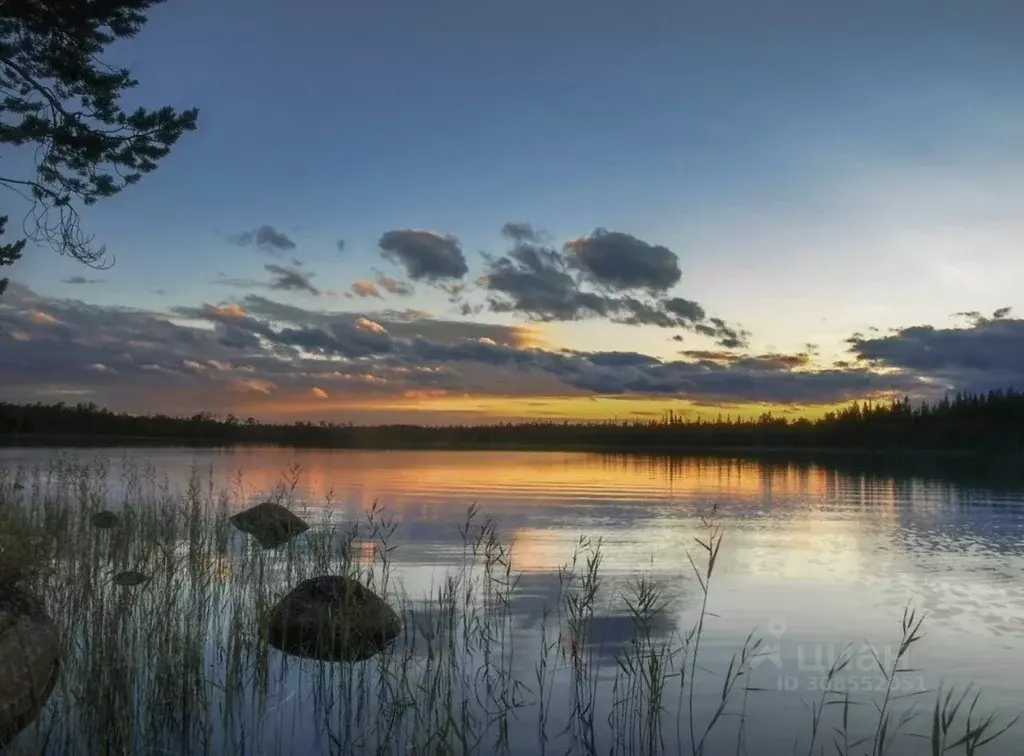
{"x":270,"y":524}
{"x":332,"y":618}
{"x":104,"y":520}
{"x":29,"y":660}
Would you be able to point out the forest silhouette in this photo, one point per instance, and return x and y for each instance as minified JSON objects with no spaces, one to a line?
{"x":984,"y":422}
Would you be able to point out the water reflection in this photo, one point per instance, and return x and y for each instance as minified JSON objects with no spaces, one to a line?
{"x":817,"y":554}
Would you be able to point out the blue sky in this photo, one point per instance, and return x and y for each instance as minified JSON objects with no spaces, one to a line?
{"x":819,"y":168}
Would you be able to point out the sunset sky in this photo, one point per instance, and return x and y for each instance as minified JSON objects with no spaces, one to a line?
{"x":470,"y":210}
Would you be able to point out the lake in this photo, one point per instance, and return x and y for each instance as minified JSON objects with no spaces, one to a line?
{"x":814,"y":556}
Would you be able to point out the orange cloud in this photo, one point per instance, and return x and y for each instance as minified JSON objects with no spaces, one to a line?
{"x":231,"y":310}
{"x":319,"y":393}
{"x":41,"y":318}
{"x":364,"y":288}
{"x":372,"y":326}
{"x":255,"y":385}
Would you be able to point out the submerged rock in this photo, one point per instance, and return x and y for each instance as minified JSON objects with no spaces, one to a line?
{"x":332,"y":618}
{"x":270,"y":524}
{"x":29,"y":659}
{"x":104,"y":520}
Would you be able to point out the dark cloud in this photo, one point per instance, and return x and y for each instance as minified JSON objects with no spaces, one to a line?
{"x":290,"y":279}
{"x":725,"y":335}
{"x":521,"y":232}
{"x":684,"y":309}
{"x":771,"y":361}
{"x":989,"y":353}
{"x":539,"y":282}
{"x":340,"y":244}
{"x":282,"y":278}
{"x":709,"y":355}
{"x":704,"y":382}
{"x":620,"y":359}
{"x":267,"y":238}
{"x":533,"y":281}
{"x":620,"y":261}
{"x":81,"y":280}
{"x":426,"y":255}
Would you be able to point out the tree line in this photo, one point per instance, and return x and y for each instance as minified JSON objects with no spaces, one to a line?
{"x":966,"y":421}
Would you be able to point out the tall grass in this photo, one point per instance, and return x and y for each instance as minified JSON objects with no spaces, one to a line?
{"x":178,"y":664}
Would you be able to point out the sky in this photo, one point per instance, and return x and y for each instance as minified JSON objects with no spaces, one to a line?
{"x":466,"y":211}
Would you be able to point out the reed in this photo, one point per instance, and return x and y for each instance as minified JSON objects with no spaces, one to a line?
{"x":176,"y":664}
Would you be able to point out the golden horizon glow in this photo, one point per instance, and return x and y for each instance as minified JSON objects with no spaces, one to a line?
{"x":491,"y":408}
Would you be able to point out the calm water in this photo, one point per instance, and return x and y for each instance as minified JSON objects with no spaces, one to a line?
{"x":814,"y":557}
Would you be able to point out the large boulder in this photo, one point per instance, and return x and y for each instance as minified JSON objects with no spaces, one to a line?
{"x":332,"y":618}
{"x":29,"y":659}
{"x":270,"y":524}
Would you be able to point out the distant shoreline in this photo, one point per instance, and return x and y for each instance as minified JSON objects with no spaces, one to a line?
{"x":90,"y":441}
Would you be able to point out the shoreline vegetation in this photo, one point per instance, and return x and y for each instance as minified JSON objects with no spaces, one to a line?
{"x":173,"y":661}
{"x":965,"y":424}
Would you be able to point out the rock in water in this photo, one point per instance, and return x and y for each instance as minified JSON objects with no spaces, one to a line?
{"x":29,"y":660}
{"x":332,"y":618}
{"x":270,"y":524}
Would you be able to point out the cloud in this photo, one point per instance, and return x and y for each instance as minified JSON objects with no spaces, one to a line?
{"x":259,"y":350}
{"x":394,"y":286}
{"x":533,"y":281}
{"x":42,"y":318}
{"x":725,"y":335}
{"x":283,"y":278}
{"x":319,"y":393}
{"x":230,"y":310}
{"x":266,"y":238}
{"x":364,"y":288}
{"x":684,"y":308}
{"x":545,"y":284}
{"x":82,"y":280}
{"x":518,"y":231}
{"x":255,"y":385}
{"x":987,"y":354}
{"x":770,"y":361}
{"x":372,"y":326}
{"x":290,"y":279}
{"x":426,"y":255}
{"x":340,"y":244}
{"x":620,"y":261}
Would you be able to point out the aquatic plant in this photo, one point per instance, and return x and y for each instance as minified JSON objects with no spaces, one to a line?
{"x":160,"y":617}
